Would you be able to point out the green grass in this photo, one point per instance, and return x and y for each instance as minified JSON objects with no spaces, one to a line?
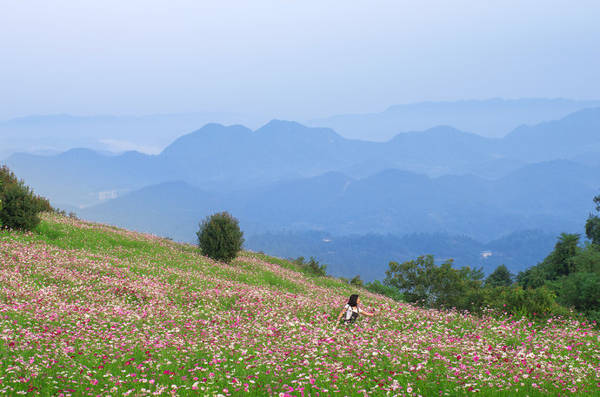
{"x":197,"y":303}
{"x":103,"y":242}
{"x":92,"y":240}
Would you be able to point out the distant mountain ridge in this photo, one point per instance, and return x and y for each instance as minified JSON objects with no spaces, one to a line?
{"x":59,"y":132}
{"x":288,"y":178}
{"x":369,"y":255}
{"x":220,"y":158}
{"x":490,"y":117}
{"x":461,"y":210}
{"x":553,"y":196}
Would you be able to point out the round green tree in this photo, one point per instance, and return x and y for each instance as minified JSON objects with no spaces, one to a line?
{"x":220,"y":237}
{"x":19,"y":207}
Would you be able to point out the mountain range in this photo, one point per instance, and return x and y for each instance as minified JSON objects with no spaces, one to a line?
{"x":220,"y":158}
{"x":368,"y":255}
{"x":288,"y":178}
{"x":492,"y":118}
{"x":553,"y":196}
{"x":55,"y":133}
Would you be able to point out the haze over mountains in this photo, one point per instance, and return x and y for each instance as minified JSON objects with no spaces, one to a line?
{"x":219,"y":158}
{"x":52,"y":134}
{"x":464,"y":194}
{"x":490,"y":118}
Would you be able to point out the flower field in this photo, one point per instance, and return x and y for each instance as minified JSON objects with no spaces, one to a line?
{"x":88,"y":309}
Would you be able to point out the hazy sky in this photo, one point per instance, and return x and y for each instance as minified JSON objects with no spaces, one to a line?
{"x":289,"y":59}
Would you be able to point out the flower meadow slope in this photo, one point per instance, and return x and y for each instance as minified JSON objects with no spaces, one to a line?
{"x":87,"y":309}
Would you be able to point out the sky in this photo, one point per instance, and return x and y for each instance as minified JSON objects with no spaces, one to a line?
{"x":289,"y":59}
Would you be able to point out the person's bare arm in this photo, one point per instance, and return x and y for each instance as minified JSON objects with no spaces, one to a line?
{"x":368,"y":314}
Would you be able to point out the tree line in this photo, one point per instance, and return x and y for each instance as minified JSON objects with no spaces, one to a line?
{"x":566,"y":282}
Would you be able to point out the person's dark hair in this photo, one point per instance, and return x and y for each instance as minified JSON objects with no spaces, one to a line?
{"x":352,"y":301}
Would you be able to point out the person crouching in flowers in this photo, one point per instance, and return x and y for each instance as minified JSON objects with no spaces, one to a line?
{"x":351,"y":311}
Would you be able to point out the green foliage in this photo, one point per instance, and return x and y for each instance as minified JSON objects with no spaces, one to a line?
{"x":592,"y":229}
{"x":571,"y":272}
{"x":534,"y":277}
{"x":413,"y":278}
{"x":588,"y":259}
{"x":19,"y":207}
{"x":500,"y":277}
{"x":538,"y":302}
{"x":357,"y":281}
{"x":442,"y":286}
{"x":592,"y":226}
{"x":311,"y":267}
{"x":387,"y":290}
{"x":220,"y":237}
{"x":561,"y":260}
{"x":422,"y":281}
{"x":568,"y":278}
{"x":580,"y":291}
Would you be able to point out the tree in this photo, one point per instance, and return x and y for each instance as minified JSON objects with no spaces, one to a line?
{"x":534,"y":277}
{"x":500,"y":277}
{"x":357,"y":281}
{"x":422,"y":281}
{"x":19,"y":207}
{"x":414,"y":279}
{"x":220,"y":237}
{"x":592,"y":226}
{"x":580,"y":291}
{"x":312,"y":266}
{"x":564,"y":251}
{"x":592,"y":229}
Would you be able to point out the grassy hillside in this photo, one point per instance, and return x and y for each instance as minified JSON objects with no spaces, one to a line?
{"x":88,"y":309}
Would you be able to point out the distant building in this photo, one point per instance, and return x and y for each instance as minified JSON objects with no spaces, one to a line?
{"x":486,"y":254}
{"x":107,"y":195}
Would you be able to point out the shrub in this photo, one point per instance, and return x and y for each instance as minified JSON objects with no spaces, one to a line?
{"x":538,"y":302}
{"x":220,"y":237}
{"x":311,"y":267}
{"x":357,"y":281}
{"x":19,"y":207}
{"x":580,"y":291}
{"x":387,"y":290}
